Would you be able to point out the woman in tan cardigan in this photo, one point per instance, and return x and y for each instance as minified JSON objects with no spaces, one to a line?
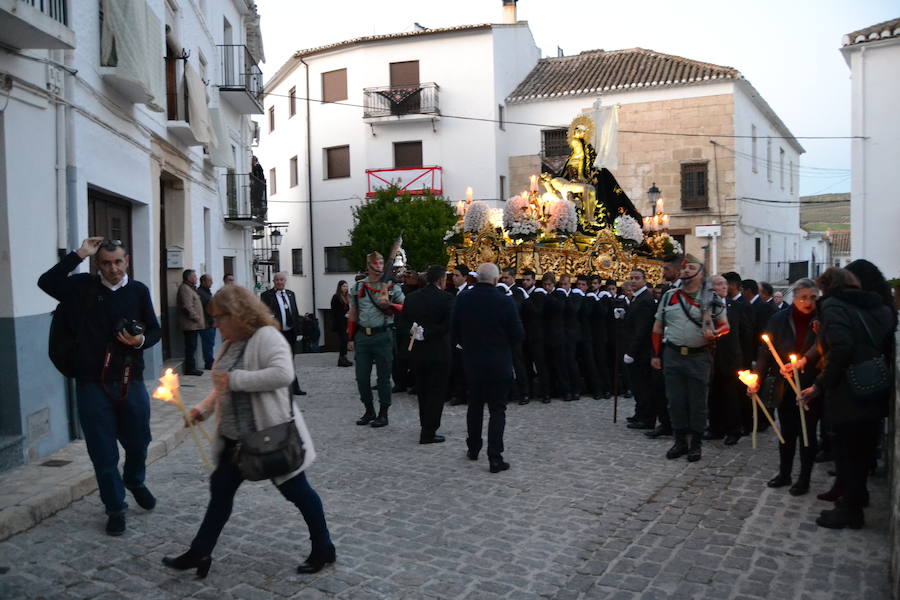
{"x":251,"y":377}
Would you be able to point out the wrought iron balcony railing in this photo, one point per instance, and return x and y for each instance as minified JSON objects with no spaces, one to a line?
{"x":241,"y":78}
{"x":245,"y":199}
{"x":412,"y":180}
{"x":419,"y":99}
{"x":55,"y":9}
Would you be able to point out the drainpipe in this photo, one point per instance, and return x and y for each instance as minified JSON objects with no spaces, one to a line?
{"x":861,"y":126}
{"x":61,"y":192}
{"x":312,"y":247}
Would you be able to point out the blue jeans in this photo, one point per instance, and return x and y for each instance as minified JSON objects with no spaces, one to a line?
{"x":224,"y":483}
{"x":208,"y":340}
{"x":103,"y":423}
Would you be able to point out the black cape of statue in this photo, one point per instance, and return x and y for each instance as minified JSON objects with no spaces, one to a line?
{"x":612,"y":197}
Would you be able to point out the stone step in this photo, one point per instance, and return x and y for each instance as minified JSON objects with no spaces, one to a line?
{"x":11,"y":454}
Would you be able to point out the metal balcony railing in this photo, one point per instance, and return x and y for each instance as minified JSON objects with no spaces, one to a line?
{"x":421,"y":99}
{"x":412,"y":180}
{"x":55,"y":9}
{"x":240,"y":71}
{"x":245,"y":198}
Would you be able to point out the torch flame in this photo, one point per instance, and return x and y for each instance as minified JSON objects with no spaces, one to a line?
{"x":163,"y":393}
{"x":169,"y":380}
{"x":765,"y":337}
{"x":793,"y":358}
{"x":748,"y":378}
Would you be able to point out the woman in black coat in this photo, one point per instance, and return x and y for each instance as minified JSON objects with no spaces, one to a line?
{"x":340,"y":306}
{"x":854,"y":324}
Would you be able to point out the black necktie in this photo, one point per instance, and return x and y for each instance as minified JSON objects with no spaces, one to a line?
{"x":288,"y":321}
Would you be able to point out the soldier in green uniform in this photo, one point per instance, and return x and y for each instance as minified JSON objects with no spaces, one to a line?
{"x":373,"y":303}
{"x":691,"y":316}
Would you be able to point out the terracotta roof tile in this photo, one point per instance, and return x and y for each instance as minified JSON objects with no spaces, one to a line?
{"x":840,"y":241}
{"x":880,"y":31}
{"x":597,"y":71}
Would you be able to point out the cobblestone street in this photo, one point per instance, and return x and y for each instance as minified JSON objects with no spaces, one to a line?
{"x":588,"y":510}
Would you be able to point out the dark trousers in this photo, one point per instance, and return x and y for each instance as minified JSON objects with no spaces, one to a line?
{"x":190,"y":350}
{"x":660,"y":401}
{"x":431,"y":377}
{"x":457,"y":375}
{"x":586,"y":364}
{"x":558,"y":358}
{"x":792,"y":432}
{"x":536,"y":358}
{"x":493,"y":394}
{"x":342,"y":342}
{"x":640,"y":374}
{"x":104,"y":422}
{"x":854,"y":453}
{"x":519,"y":389}
{"x":378,"y":350}
{"x":726,"y":398}
{"x":402,"y":367}
{"x":208,"y":341}
{"x":224,"y":483}
{"x":291,"y":339}
{"x":601,"y":360}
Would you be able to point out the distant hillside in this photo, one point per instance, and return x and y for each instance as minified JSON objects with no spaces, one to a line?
{"x":825,"y":211}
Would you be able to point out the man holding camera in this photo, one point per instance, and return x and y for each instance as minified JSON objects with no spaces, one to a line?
{"x":113,"y":322}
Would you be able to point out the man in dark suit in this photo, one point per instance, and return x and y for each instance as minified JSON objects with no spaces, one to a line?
{"x":779,"y":301}
{"x":533,"y":322}
{"x":429,"y":309}
{"x":638,"y":350}
{"x":760,"y":311}
{"x":739,"y":317}
{"x":283,"y":305}
{"x":726,"y":393}
{"x":458,"y":277}
{"x":585,"y":346}
{"x":486,"y":325}
{"x":572,"y":333}
{"x":600,"y":325}
{"x":507,"y":285}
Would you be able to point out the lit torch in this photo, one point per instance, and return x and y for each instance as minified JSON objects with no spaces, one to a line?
{"x":750,"y":380}
{"x":168,"y":392}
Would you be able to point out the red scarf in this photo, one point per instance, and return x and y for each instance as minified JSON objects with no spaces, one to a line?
{"x":801,"y":326}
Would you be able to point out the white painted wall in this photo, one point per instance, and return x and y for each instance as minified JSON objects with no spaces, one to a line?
{"x":875,"y":179}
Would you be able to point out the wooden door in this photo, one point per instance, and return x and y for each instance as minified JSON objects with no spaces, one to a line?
{"x":110,"y":217}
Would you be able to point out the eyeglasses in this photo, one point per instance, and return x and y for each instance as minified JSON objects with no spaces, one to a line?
{"x":111,"y":245}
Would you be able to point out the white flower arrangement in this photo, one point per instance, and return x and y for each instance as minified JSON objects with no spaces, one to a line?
{"x":477,"y":216}
{"x":561,"y":217}
{"x":453,"y":232}
{"x":627,"y":228}
{"x":517,"y":220}
{"x":676,"y":247}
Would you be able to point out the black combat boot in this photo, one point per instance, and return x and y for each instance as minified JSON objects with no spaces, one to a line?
{"x":368,"y":416}
{"x":680,"y":448}
{"x":694,"y":453}
{"x":381,"y":420}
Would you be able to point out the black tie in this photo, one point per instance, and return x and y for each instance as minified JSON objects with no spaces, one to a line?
{"x":288,"y":321}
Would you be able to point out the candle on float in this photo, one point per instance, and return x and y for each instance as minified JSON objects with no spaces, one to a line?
{"x":800,"y":406}
{"x":751,"y":379}
{"x":469,"y":194}
{"x":768,"y":341}
{"x":659,"y":206}
{"x":648,"y":223}
{"x":665,"y":221}
{"x":534,"y":183}
{"x":460,"y":208}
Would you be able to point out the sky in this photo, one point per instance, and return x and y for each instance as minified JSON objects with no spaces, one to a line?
{"x":788,"y":49}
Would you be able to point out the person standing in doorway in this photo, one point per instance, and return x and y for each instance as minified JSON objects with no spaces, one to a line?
{"x":340,"y":306}
{"x":190,"y":318}
{"x":208,"y":335}
{"x":283,"y":304}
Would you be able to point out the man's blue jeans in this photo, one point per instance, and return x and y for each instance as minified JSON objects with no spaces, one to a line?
{"x":106,"y":422}
{"x":208,"y":340}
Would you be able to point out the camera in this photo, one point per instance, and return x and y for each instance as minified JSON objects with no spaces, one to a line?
{"x":130,"y":326}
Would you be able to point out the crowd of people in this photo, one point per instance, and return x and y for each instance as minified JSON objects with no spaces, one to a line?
{"x":487,"y":338}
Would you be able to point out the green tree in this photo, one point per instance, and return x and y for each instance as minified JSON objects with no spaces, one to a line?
{"x":423,"y":220}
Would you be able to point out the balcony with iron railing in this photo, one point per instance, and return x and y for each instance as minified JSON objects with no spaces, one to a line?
{"x":411,"y":180}
{"x":401,"y":102}
{"x":35,"y":24}
{"x":245,"y":200}
{"x":242,"y":80}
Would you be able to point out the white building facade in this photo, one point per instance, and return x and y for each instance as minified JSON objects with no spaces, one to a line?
{"x":128,"y":119}
{"x":873,"y":55}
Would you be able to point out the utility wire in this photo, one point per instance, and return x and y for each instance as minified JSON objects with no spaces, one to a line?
{"x":545,"y":125}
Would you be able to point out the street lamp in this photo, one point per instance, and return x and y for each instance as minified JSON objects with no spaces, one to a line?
{"x":275,"y":238}
{"x":653,"y":195}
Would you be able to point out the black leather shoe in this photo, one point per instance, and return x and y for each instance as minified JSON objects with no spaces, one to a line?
{"x":679,"y":448}
{"x":660,"y":431}
{"x":298,"y":392}
{"x":695,"y":451}
{"x":640,"y":425}
{"x":143,"y":497}
{"x":472,"y":454}
{"x":189,"y":560}
{"x":633,"y":419}
{"x":195,"y":372}
{"x":382,"y":419}
{"x":779,"y":481}
{"x":435,"y":439}
{"x":115,"y":525}
{"x":712,"y":435}
{"x":524,"y":400}
{"x":627,"y":394}
{"x":457,"y":402}
{"x":367,"y":418}
{"x":545,"y":400}
{"x":840,"y":518}
{"x":731,"y":440}
{"x":498,"y":465}
{"x":314,"y":563}
{"x":398,"y":390}
{"x":343,"y":362}
{"x":607,"y":395}
{"x":800,"y":488}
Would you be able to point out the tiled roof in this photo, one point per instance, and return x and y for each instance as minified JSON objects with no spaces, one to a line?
{"x":292,"y":62}
{"x":596,"y":71}
{"x":840,"y":241}
{"x":825,"y":212}
{"x":881,"y":31}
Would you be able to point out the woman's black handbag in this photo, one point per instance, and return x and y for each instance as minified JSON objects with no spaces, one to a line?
{"x":869,"y":378}
{"x":270,"y":452}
